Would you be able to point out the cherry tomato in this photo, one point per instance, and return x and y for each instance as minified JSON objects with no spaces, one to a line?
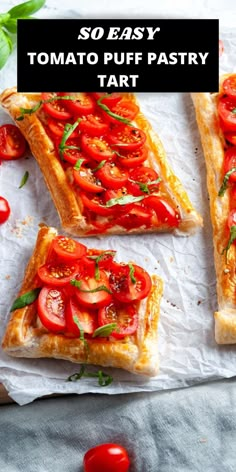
{"x":124,"y":288}
{"x":229,"y":87}
{"x":133,"y":159}
{"x":232,"y":219}
{"x":118,"y":193}
{"x":87,"y":319}
{"x":137,"y":217}
{"x":143,"y":175}
{"x":233,"y":197}
{"x":230,"y":162}
{"x":125,"y":317}
{"x":93,"y":125}
{"x":97,"y":148}
{"x":110,"y":99}
{"x":96,"y":204}
{"x":72,"y":155}
{"x":112,"y":176}
{"x":106,"y":458}
{"x":55,"y":109}
{"x":68,"y":249}
{"x":123,"y":108}
{"x":51,"y":309}
{"x":164,"y":211}
{"x":84,"y":105}
{"x":127,"y":138}
{"x":57,"y":275}
{"x":57,"y":128}
{"x":231,"y":138}
{"x":105,"y":261}
{"x":87,"y":294}
{"x":12,"y":142}
{"x":227,"y":113}
{"x":4,"y":210}
{"x":85,"y":178}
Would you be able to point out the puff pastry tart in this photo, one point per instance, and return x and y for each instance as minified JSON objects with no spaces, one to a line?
{"x":216,"y":117}
{"x":104,"y":166}
{"x":78,"y":304}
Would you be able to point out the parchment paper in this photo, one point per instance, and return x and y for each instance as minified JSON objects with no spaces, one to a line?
{"x":188,"y":352}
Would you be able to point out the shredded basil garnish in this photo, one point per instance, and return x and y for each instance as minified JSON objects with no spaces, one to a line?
{"x":26,"y":299}
{"x":233,"y":111}
{"x":78,"y":164}
{"x":81,"y":332}
{"x":105,"y":330}
{"x":30,"y":111}
{"x":144,"y":186}
{"x":101,"y":288}
{"x":100,"y":165}
{"x":24,"y":179}
{"x":68,"y":130}
{"x":103,"y":379}
{"x":97,"y":259}
{"x":131,"y":273}
{"x":124,"y":200}
{"x":110,"y":113}
{"x":232,"y":238}
{"x":224,"y":185}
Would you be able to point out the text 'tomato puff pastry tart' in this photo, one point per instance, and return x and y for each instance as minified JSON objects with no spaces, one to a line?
{"x":216,"y":117}
{"x":106,"y":175}
{"x":85,"y":307}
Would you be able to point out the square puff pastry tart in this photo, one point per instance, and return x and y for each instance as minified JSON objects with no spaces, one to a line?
{"x":214,"y":116}
{"x":76,"y":209}
{"x":26,"y":336}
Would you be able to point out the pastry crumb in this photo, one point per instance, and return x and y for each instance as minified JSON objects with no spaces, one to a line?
{"x":7,"y":277}
{"x":171,"y":259}
{"x":19,"y":226}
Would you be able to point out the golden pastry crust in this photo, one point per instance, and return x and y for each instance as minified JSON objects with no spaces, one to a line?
{"x":213,"y":146}
{"x":65,"y":199}
{"x":137,"y":353}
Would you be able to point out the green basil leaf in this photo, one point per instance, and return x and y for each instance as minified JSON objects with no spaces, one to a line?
{"x":131,"y":273}
{"x":224,"y":185}
{"x":5,"y":47}
{"x":103,"y":378}
{"x":97,"y":259}
{"x":109,"y":112}
{"x":104,"y":331}
{"x":26,"y":299}
{"x":100,"y":165}
{"x":232,"y":238}
{"x":24,"y":179}
{"x":78,"y":164}
{"x":233,"y":111}
{"x":68,"y":130}
{"x":4,"y":17}
{"x":124,"y":200}
{"x":101,"y":288}
{"x":26,"y":8}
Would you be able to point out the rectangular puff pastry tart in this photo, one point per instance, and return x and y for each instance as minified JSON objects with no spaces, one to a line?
{"x":105,"y":167}
{"x":80,"y":305}
{"x":216,"y":118}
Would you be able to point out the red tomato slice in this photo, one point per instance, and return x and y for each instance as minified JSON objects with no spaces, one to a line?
{"x":227,"y":113}
{"x":93,"y":125}
{"x":231,"y":138}
{"x":85,"y":178}
{"x":57,"y":275}
{"x":133,"y":159}
{"x":89,"y":297}
{"x":4,"y":210}
{"x":12,"y":142}
{"x":112,"y":176}
{"x":72,"y":155}
{"x":125,"y":317}
{"x":55,"y":109}
{"x":84,"y":105}
{"x":105,"y":262}
{"x":143,"y":175}
{"x":165,"y":212}
{"x":87,"y":319}
{"x":95,"y":204}
{"x":230,"y":162}
{"x":124,"y":289}
{"x":118,"y":193}
{"x":106,"y":458}
{"x":68,"y":249}
{"x":57,"y":129}
{"x":233,"y":197}
{"x":127,"y":138}
{"x":136,"y":217}
{"x":110,"y":99}
{"x":232,"y":219}
{"x":51,"y":309}
{"x":123,"y":108}
{"x":229,"y":87}
{"x":97,"y":148}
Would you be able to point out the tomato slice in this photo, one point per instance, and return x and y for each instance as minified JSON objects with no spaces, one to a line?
{"x":106,"y":458}
{"x":51,"y":309}
{"x":104,"y":262}
{"x":118,"y":193}
{"x":93,"y":125}
{"x":97,"y":148}
{"x":229,"y":87}
{"x":128,"y":138}
{"x":137,"y":217}
{"x":112,"y":176}
{"x":110,"y":99}
{"x":126,"y":290}
{"x":83,"y":105}
{"x":87,"y":319}
{"x":165,"y":212}
{"x":123,"y":108}
{"x":55,"y":109}
{"x":72,"y":155}
{"x":231,"y":138}
{"x":143,"y":175}
{"x":57,"y":128}
{"x":133,"y":159}
{"x":85,"y":178}
{"x":89,"y":297}
{"x":68,"y":249}
{"x":96,"y":204}
{"x":12,"y":142}
{"x":230,"y":162}
{"x":125,"y":317}
{"x":232,"y":219}
{"x":227,"y":113}
{"x":4,"y":210}
{"x":233,"y":197}
{"x":57,"y":275}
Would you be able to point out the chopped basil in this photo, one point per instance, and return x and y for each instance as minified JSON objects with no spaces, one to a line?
{"x":26,"y":299}
{"x":81,"y":332}
{"x":224,"y":185}
{"x":131,"y":274}
{"x":78,"y":164}
{"x":97,"y":259}
{"x":24,"y":179}
{"x":100,"y":165}
{"x":233,"y":111}
{"x":232,"y":238}
{"x":30,"y":111}
{"x":144,"y":186}
{"x":101,"y":288}
{"x":124,"y":200}
{"x":68,"y":130}
{"x":103,"y":379}
{"x":110,"y":113}
{"x":105,"y":330}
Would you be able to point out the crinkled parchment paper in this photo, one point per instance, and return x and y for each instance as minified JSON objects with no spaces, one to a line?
{"x":188,"y":352}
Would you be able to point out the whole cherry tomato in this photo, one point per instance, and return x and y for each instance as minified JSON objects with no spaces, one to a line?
{"x":106,"y":458}
{"x":4,"y":210}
